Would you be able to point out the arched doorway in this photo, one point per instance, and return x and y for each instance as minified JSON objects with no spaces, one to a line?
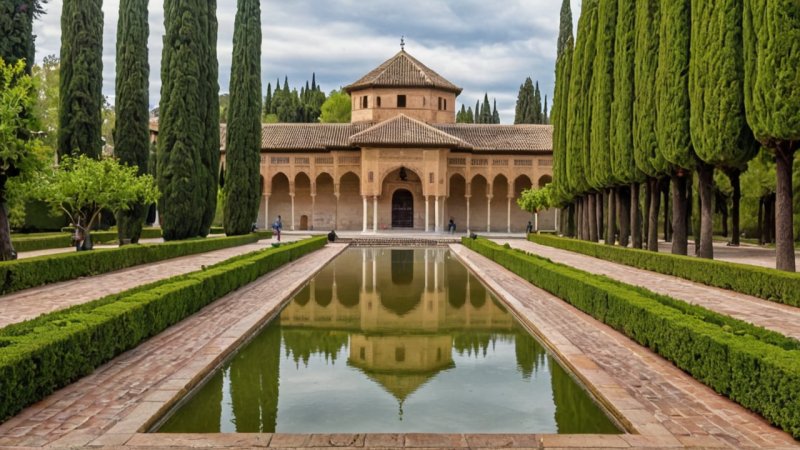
{"x":402,"y":209}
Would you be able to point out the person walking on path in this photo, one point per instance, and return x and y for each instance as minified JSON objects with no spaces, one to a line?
{"x":451,"y":227}
{"x":276,"y":227}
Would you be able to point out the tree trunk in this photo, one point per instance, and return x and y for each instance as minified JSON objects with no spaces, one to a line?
{"x":600,"y":204}
{"x":723,"y":206}
{"x":667,"y":215}
{"x":735,"y":178}
{"x":636,"y":217}
{"x":784,"y":231}
{"x":652,"y":226}
{"x":761,"y":238}
{"x":772,"y":201}
{"x":571,"y":220}
{"x":648,"y":197}
{"x":624,"y":215}
{"x":705,"y":174}
{"x":680,"y":235}
{"x":592,"y":217}
{"x":611,"y":225}
{"x":7,"y":252}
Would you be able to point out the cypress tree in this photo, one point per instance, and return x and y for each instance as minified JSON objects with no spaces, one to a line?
{"x":534,"y":114}
{"x":486,"y":110}
{"x":268,"y":100}
{"x":719,"y":129}
{"x":545,"y":112}
{"x":672,"y":91}
{"x":243,"y":149}
{"x":132,"y":132}
{"x":602,"y":174}
{"x":81,"y":84}
{"x":16,"y":27}
{"x":477,"y":111}
{"x":522,"y":105}
{"x":495,"y":114}
{"x":645,"y":142}
{"x":772,"y":99}
{"x":470,"y":117}
{"x":564,"y":194}
{"x":624,"y":166}
{"x":211,"y":148}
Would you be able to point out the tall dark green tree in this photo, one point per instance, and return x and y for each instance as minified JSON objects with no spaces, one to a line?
{"x":16,"y":27}
{"x":645,"y":140}
{"x":81,"y":84}
{"x":486,"y":110}
{"x":210,"y":155}
{"x":602,"y":162}
{"x":772,"y":99}
{"x":719,"y":129}
{"x":522,"y":102}
{"x":132,"y":132}
{"x":243,"y":149}
{"x":495,"y":113}
{"x":268,"y":100}
{"x":566,"y":42}
{"x":672,"y":91}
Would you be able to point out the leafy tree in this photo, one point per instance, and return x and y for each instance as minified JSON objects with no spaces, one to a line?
{"x":719,"y":129}
{"x":81,"y":83}
{"x":645,"y":140}
{"x":536,"y":200}
{"x":82,"y":187}
{"x":672,"y":91}
{"x":624,"y":166}
{"x":772,"y":99}
{"x":47,"y":77}
{"x":17,"y":150}
{"x":337,"y":108}
{"x":132,"y":135}
{"x":243,"y":147}
{"x":602,"y":174}
{"x":16,"y":27}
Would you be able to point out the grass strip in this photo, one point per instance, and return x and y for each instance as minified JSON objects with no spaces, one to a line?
{"x":49,"y":352}
{"x":757,"y":368}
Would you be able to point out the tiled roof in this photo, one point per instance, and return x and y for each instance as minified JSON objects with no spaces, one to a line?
{"x":305,"y":136}
{"x":405,"y":131}
{"x":509,"y":138}
{"x":403,"y":70}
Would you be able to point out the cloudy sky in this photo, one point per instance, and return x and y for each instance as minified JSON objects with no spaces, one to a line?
{"x":479,"y":45}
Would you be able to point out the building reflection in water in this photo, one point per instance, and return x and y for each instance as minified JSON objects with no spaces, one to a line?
{"x":399,"y":317}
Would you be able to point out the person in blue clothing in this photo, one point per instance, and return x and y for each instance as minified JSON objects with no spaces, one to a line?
{"x":276,"y":227}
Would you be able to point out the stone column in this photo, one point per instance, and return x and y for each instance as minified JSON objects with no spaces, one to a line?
{"x":426,"y":269}
{"x":509,"y":215}
{"x":375,"y":214}
{"x":292,"y":196}
{"x":427,"y":215}
{"x":366,"y":217}
{"x":437,"y":225}
{"x":336,"y":210}
{"x":313,"y":207}
{"x":536,"y":221}
{"x":468,"y":197}
{"x":266,"y":212}
{"x":488,"y":213}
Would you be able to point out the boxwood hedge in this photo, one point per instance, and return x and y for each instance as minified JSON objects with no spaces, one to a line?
{"x":769,"y":284}
{"x":44,"y":241}
{"x":758,"y":369}
{"x":30,"y":272}
{"x":53,"y":350}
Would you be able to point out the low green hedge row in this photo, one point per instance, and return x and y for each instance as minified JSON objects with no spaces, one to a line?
{"x":60,"y":240}
{"x":757,"y":368}
{"x":30,"y":272}
{"x":769,"y":284}
{"x":42,"y":355}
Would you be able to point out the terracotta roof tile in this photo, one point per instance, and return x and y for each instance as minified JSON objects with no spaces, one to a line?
{"x":305,"y":136}
{"x":405,"y":131}
{"x":403,"y":70}
{"x":509,"y":138}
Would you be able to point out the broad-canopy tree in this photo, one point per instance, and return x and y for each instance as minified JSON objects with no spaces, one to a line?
{"x":243,"y":148}
{"x":672,"y":92}
{"x":772,"y":99}
{"x":535,"y":200}
{"x":648,"y":158}
{"x":337,"y":108}
{"x":82,"y":187}
{"x":719,"y":129}
{"x":132,"y":133}
{"x":81,"y":83}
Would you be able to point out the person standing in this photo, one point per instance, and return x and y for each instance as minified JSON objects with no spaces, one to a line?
{"x":276,"y":227}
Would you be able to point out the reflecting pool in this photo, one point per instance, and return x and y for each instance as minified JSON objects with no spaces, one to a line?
{"x":392,"y":340}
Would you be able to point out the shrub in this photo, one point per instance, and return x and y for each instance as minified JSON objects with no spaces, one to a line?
{"x":769,"y":284}
{"x":53,"y":350}
{"x":757,"y":368}
{"x":26,"y":273}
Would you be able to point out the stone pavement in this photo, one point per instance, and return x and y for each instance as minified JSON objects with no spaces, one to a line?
{"x":744,"y":254}
{"x":663,"y":404}
{"x":30,"y":303}
{"x":777,"y":317}
{"x":127,"y":394}
{"x":55,"y":251}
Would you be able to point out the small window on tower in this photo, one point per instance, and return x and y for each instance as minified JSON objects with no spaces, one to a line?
{"x":445,"y":104}
{"x":365,"y":102}
{"x":401,"y":101}
{"x":440,"y":103}
{"x":379,"y":102}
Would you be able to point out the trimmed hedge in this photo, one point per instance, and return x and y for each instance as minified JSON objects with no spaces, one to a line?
{"x":47,"y":241}
{"x":769,"y":284}
{"x":756,"y":368}
{"x":31,"y":272}
{"x":49,"y":352}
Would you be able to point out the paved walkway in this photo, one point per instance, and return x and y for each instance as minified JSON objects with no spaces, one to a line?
{"x":662,"y":403}
{"x":122,"y":397}
{"x":781,"y":318}
{"x":744,"y":254}
{"x":55,"y":251}
{"x":30,"y":303}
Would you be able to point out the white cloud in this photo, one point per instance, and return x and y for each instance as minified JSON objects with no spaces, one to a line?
{"x":481,"y":46}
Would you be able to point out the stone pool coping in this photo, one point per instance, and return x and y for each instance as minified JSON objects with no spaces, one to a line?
{"x":37,"y":426}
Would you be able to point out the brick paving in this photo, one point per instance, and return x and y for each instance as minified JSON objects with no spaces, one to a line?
{"x":781,"y":318}
{"x":122,"y":397}
{"x":55,"y":251}
{"x":663,"y":404}
{"x":744,"y":254}
{"x":30,"y":303}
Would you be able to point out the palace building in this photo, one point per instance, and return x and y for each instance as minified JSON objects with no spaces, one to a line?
{"x":402,"y":162}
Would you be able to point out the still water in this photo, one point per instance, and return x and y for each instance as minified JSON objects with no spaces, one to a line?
{"x":392,"y":340}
